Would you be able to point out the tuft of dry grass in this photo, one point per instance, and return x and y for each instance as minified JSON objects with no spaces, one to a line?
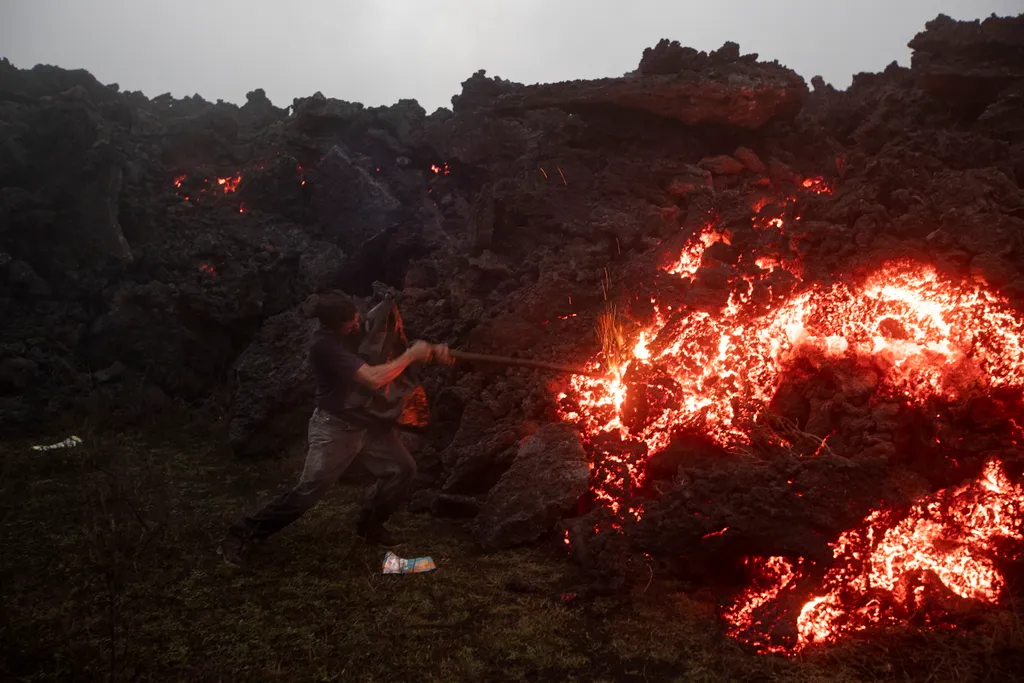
{"x":109,"y":572}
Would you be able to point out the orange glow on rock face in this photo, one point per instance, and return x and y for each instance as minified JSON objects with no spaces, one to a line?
{"x":921,"y":338}
{"x":691,"y":255}
{"x":928,"y":338}
{"x":229,"y":183}
{"x":817,"y":185}
{"x":226,"y":184}
{"x":743,"y":621}
{"x":891,"y":566}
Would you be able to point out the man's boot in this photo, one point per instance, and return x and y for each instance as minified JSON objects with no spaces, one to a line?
{"x":372,"y":530}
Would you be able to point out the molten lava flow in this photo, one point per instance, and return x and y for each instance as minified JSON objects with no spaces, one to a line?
{"x":927,"y":337}
{"x":178,"y":180}
{"x":772,"y":576}
{"x":230,"y":183}
{"x":440,"y":170}
{"x":691,"y":255}
{"x":891,"y":567}
{"x":817,"y":185}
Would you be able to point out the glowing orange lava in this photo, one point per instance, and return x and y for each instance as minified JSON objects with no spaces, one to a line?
{"x":774,"y":574}
{"x":230,"y":183}
{"x":690,"y":257}
{"x":926,"y":336}
{"x":817,"y":185}
{"x":891,"y":567}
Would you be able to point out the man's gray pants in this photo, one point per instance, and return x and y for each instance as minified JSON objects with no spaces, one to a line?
{"x":337,"y":448}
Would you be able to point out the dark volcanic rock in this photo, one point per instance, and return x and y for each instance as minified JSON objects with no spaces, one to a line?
{"x":744,"y":100}
{"x":691,"y":88}
{"x":273,"y":387}
{"x":352,"y":206}
{"x":549,"y":475}
{"x":17,"y":373}
{"x":25,"y":280}
{"x":969,"y":63}
{"x":789,"y":506}
{"x":480,"y":451}
{"x":143,"y":329}
{"x":749,"y":159}
{"x":454,"y":505}
{"x":722,"y":165}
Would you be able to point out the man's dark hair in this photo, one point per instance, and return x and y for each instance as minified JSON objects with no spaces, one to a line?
{"x":332,"y":309}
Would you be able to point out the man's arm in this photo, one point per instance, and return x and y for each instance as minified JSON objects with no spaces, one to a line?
{"x":376,"y":376}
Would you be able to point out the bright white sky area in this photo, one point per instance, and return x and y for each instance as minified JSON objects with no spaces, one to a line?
{"x":377,"y":52}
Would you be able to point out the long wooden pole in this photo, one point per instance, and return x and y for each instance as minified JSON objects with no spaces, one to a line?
{"x":521,"y":363}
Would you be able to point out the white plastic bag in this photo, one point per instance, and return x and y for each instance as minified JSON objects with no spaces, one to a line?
{"x":70,"y":442}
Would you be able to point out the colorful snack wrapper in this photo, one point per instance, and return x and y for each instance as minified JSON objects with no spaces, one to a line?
{"x":393,"y":564}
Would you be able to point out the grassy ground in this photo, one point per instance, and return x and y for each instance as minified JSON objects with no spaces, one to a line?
{"x":109,"y":572}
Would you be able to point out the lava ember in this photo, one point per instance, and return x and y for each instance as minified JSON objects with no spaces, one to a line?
{"x":817,"y":185}
{"x":230,"y":183}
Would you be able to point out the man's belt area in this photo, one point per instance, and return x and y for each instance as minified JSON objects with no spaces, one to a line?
{"x":359,"y":419}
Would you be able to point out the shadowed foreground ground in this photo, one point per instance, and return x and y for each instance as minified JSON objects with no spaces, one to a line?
{"x":108,"y":572}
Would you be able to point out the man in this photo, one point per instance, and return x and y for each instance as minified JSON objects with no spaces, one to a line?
{"x":343,"y":432}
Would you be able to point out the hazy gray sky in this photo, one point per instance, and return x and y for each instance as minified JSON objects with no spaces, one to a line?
{"x":378,"y":51}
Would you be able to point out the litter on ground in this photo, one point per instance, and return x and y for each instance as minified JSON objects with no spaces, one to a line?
{"x":393,"y":564}
{"x":70,"y":442}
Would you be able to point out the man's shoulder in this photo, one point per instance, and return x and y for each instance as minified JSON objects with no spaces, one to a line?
{"x":320,"y":346}
{"x":327,"y":346}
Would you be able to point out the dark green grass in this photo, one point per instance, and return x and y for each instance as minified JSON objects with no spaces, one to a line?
{"x":109,"y":572}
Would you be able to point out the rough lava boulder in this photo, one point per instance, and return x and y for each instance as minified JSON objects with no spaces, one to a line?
{"x":969,"y":63}
{"x":351,"y":205}
{"x":273,"y":387}
{"x":545,"y":482}
{"x":675,"y":83}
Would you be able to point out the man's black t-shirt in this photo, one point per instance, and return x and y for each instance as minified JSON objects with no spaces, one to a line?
{"x":335,"y":366}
